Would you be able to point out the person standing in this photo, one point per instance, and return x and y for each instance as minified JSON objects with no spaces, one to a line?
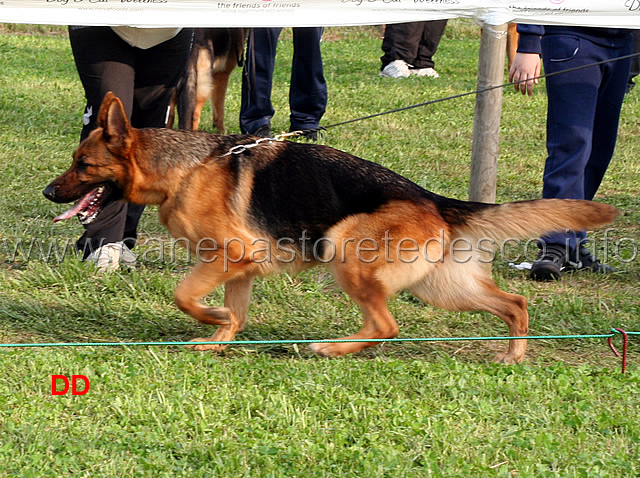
{"x":141,"y":66}
{"x":582,"y":123}
{"x":307,"y":91}
{"x":409,"y":48}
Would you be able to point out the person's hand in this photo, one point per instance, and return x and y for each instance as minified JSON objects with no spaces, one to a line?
{"x":525,"y":66}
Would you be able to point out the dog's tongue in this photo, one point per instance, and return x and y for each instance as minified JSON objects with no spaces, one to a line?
{"x":83,"y":203}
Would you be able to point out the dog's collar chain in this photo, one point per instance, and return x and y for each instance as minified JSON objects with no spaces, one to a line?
{"x":241,"y":148}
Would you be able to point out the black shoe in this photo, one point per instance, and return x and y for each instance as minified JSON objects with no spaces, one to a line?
{"x":629,"y":87}
{"x":310,"y":134}
{"x":551,"y":262}
{"x":587,"y":262}
{"x":263,"y":131}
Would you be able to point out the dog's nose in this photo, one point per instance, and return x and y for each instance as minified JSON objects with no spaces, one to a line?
{"x":50,"y":192}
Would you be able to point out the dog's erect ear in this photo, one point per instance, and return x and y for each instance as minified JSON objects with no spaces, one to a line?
{"x":113,"y":120}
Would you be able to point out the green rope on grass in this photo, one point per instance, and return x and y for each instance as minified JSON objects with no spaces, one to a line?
{"x":311,"y":341}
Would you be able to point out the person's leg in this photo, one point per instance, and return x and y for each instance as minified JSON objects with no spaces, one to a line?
{"x":582,"y":119}
{"x":256,"y":109}
{"x":431,"y":34}
{"x":605,"y":133}
{"x":104,"y":63}
{"x":571,"y":114}
{"x":401,"y":42}
{"x":308,"y":90}
{"x":158,"y":71}
{"x":607,"y":117}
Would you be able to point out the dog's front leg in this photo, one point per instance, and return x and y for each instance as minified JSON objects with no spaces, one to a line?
{"x":236,"y":300}
{"x":189,"y":294}
{"x":204,"y":278}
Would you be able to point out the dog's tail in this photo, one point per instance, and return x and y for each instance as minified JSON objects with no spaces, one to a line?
{"x":526,"y":219}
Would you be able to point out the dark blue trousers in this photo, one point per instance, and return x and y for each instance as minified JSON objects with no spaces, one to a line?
{"x":308,"y":88}
{"x":582,"y":118}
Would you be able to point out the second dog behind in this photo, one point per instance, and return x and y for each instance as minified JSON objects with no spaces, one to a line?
{"x":215,"y":54}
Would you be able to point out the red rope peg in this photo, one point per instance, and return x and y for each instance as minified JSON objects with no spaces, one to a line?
{"x":625,"y":343}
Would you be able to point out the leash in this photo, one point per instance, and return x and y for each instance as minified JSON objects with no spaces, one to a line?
{"x":238,"y":149}
{"x":461,"y":95}
{"x":241,"y":148}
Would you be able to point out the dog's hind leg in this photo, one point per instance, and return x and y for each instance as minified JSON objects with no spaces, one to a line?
{"x":378,"y":324}
{"x":218,"y":93}
{"x":512,"y":308}
{"x":358,"y":280}
{"x":231,"y":318}
{"x":202,"y":91}
{"x":465,"y":287}
{"x":369,"y":275}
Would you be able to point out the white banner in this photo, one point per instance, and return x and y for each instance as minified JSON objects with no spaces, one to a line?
{"x":255,"y":13}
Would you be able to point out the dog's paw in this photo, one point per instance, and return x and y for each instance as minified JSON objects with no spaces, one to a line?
{"x":327,"y":349}
{"x":210,"y":347}
{"x":507,"y":359}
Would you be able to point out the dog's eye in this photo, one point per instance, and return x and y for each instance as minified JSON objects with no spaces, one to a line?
{"x":82,"y":162}
{"x":81,"y":166}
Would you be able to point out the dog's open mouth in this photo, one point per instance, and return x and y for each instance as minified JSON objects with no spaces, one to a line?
{"x":89,"y":206}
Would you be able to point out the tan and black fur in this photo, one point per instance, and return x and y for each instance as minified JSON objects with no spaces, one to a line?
{"x":277,"y":190}
{"x":214,"y":55}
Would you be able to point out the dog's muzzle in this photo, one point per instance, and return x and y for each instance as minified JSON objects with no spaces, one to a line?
{"x":50,"y":193}
{"x":86,"y":208}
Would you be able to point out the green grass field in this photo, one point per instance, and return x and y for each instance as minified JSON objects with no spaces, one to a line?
{"x":401,"y":409}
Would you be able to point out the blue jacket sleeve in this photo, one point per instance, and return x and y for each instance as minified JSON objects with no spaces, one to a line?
{"x":530,"y":36}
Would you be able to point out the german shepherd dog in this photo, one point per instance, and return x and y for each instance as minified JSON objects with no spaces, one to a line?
{"x":214,"y":55}
{"x":251,"y":206}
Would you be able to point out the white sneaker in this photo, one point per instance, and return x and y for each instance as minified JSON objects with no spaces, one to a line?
{"x":396,"y":69}
{"x":430,"y":72}
{"x":109,"y":257}
{"x":127,"y":258}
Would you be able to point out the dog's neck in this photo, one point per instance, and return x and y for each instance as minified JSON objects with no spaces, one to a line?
{"x":170,"y":156}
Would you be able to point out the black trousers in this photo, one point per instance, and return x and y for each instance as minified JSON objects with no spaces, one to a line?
{"x":145,"y":81}
{"x":414,"y":42}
